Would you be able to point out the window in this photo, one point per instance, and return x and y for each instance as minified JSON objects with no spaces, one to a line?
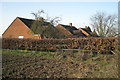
{"x":35,"y":34}
{"x":21,"y":37}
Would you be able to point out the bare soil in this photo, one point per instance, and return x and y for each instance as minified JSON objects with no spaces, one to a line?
{"x":63,"y":65}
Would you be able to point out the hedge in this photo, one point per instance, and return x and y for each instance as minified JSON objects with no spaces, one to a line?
{"x":53,"y":44}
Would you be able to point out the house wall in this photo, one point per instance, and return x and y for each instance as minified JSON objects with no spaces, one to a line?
{"x":63,"y":30}
{"x":37,"y":37}
{"x":18,"y":28}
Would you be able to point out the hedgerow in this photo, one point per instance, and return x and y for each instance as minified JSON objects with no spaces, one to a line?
{"x":53,"y":44}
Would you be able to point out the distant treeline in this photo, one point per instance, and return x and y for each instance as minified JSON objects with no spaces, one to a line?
{"x":54,"y":44}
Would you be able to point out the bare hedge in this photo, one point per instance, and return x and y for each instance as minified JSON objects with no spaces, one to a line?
{"x":53,"y":44}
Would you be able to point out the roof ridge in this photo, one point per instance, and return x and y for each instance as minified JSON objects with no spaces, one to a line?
{"x":67,"y":25}
{"x":25,"y":18}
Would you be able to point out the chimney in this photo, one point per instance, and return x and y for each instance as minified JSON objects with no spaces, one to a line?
{"x":85,"y":27}
{"x":41,"y":19}
{"x":70,"y":24}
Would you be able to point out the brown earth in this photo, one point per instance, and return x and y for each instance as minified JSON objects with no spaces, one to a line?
{"x":61,"y":66}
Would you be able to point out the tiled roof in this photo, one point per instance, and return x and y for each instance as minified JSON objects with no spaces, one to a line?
{"x":81,"y":34}
{"x":78,"y":33}
{"x":27,"y":22}
{"x":69,"y":28}
{"x":72,"y":29}
{"x":86,"y":31}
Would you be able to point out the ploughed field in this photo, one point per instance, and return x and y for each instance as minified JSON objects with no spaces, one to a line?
{"x":59,"y":64}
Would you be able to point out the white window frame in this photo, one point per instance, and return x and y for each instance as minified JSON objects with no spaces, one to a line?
{"x":20,"y":37}
{"x":35,"y":34}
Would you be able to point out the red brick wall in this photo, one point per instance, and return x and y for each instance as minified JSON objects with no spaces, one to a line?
{"x":18,"y":28}
{"x":63,"y":30}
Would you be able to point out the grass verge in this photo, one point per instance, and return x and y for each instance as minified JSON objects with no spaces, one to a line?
{"x":40,"y":53}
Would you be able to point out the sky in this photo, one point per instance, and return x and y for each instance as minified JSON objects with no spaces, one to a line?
{"x":77,"y":13}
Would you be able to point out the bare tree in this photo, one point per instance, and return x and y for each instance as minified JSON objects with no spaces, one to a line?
{"x":113,"y":31}
{"x":104,"y":24}
{"x":54,"y":21}
{"x":38,"y":14}
{"x":44,"y":26}
{"x":37,"y":26}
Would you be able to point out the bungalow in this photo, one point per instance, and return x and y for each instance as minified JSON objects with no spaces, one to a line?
{"x":21,"y":28}
{"x":72,"y":32}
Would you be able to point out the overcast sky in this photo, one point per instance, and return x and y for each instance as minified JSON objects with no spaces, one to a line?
{"x":78,"y":13}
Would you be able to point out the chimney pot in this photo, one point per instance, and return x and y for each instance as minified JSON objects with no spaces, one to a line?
{"x":85,"y":27}
{"x":70,"y":24}
{"x":41,"y":19}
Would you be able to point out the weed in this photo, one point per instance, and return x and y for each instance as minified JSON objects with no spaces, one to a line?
{"x":101,"y":62}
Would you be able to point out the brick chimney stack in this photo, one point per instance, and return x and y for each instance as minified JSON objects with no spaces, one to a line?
{"x":41,"y":19}
{"x":85,"y":27}
{"x":70,"y":24}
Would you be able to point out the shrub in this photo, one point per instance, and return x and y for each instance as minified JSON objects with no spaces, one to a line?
{"x":53,"y":44}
